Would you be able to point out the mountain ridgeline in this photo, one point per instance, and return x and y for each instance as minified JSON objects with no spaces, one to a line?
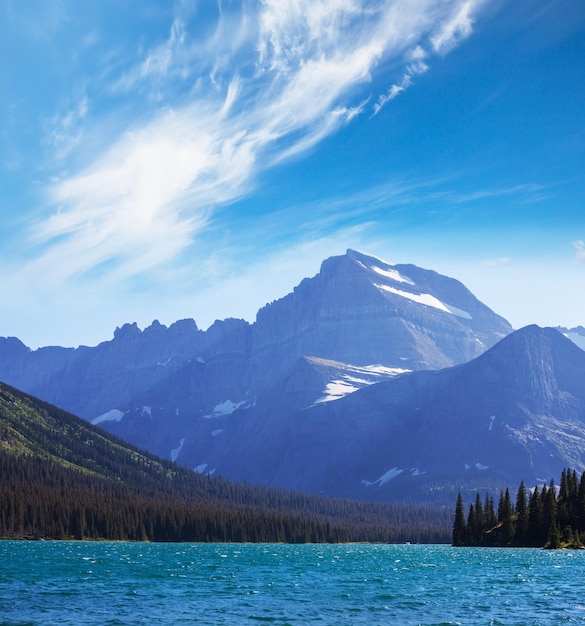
{"x":205,"y":398}
{"x":62,"y":478}
{"x":370,"y":380}
{"x":516,"y":412}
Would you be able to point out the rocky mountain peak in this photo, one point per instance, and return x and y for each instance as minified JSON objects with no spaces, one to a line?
{"x":229,"y":398}
{"x":127,"y":331}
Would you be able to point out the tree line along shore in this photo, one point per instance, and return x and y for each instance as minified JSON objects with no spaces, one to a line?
{"x":63,"y":478}
{"x":550,"y":517}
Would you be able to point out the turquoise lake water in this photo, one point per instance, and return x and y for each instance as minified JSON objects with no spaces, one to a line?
{"x":136,"y":583}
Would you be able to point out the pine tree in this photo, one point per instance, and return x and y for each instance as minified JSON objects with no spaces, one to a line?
{"x":521,"y":516}
{"x":505,"y":517}
{"x":533,"y":535}
{"x":489,"y":513}
{"x":459,"y":528}
{"x":549,"y":508}
{"x":479,"y":521}
{"x":553,"y":539}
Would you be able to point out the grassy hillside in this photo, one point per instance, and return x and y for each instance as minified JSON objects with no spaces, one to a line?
{"x":61,"y":477}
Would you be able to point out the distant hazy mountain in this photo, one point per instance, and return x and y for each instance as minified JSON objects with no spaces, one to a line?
{"x":180,"y":391}
{"x":576,"y":335}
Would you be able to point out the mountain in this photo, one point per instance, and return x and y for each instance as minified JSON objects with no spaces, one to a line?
{"x":61,"y":477}
{"x":362,"y":310}
{"x":177,"y":391}
{"x":369,"y":380}
{"x":515,"y":413}
{"x":576,"y":335}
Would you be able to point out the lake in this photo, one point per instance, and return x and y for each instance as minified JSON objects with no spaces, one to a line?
{"x":142,"y":583}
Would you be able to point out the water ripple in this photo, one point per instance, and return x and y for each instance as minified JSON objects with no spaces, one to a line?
{"x":232,"y":584}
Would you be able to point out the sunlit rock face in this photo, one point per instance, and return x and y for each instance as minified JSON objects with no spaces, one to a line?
{"x":362,"y":310}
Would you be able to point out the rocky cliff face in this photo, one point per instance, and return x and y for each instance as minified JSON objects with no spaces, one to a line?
{"x":361,"y":310}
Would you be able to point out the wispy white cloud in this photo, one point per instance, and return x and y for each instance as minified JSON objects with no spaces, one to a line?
{"x":455,"y":28}
{"x":159,"y":62}
{"x":527,"y":191}
{"x":64,"y":131}
{"x":261,"y":87}
{"x":579,"y":246}
{"x":416,"y":65}
{"x":424,"y":193}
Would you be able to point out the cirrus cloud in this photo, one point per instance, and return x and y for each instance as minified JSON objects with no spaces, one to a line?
{"x":268,"y":82}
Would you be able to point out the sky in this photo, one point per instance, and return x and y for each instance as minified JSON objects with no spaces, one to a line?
{"x":197,"y":159}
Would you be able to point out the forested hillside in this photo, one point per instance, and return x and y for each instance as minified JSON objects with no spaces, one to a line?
{"x":61,"y":478}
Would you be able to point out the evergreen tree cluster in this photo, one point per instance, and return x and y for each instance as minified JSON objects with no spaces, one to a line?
{"x":40,"y":499}
{"x":62,"y":478}
{"x":546,"y":517}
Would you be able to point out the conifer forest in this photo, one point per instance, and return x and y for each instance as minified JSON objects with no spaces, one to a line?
{"x":546,"y":516}
{"x":62,"y":478}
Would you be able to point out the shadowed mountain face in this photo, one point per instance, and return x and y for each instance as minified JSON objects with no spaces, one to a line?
{"x":203,"y":398}
{"x":516,"y":412}
{"x":63,"y":478}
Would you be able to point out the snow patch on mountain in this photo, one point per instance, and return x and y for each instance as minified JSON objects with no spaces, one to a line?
{"x":349,"y":382}
{"x":176,"y":451}
{"x":392,"y":275}
{"x":337,"y":389}
{"x":387,"y":477}
{"x":478,"y":466}
{"x":115,"y":415}
{"x":427,"y":300}
{"x":202,"y":469}
{"x":386,"y":272}
{"x":227,"y":408}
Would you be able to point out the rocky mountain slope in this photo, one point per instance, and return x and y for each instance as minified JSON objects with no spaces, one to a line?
{"x":62,"y":478}
{"x":369,"y":380}
{"x":576,"y":335}
{"x":174,"y":391}
{"x":515,"y":413}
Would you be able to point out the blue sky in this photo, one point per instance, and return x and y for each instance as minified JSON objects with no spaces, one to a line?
{"x":164,"y":160}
